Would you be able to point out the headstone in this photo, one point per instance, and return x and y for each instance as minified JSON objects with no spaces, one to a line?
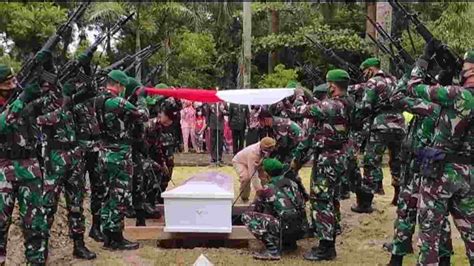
{"x":202,"y":261}
{"x":202,"y":204}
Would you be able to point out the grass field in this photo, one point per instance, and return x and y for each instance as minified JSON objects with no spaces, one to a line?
{"x":359,"y":244}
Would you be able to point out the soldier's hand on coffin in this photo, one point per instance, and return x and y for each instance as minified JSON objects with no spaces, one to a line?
{"x":165,"y":170}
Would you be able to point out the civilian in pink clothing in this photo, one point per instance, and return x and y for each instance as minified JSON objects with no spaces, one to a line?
{"x":188,"y":122}
{"x":247,"y":163}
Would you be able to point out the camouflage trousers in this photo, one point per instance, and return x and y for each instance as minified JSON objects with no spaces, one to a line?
{"x":374,"y":151}
{"x":138,"y":180}
{"x":352,"y":176}
{"x":61,"y":174}
{"x":404,"y":225}
{"x":163,"y":180}
{"x":97,"y":181}
{"x":452,"y":192}
{"x":324,"y":196}
{"x":116,"y":166}
{"x":261,"y":225}
{"x":22,"y":180}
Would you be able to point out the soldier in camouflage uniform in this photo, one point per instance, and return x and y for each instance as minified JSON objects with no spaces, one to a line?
{"x":21,"y":176}
{"x":161,"y":142}
{"x":419,"y":135}
{"x":286,"y":132}
{"x":327,"y":140}
{"x":386,"y":131}
{"x":115,"y":115}
{"x":278,"y":213}
{"x":447,"y":167}
{"x":62,"y":155}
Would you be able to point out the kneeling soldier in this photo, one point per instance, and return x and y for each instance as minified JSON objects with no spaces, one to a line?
{"x":278,"y":216}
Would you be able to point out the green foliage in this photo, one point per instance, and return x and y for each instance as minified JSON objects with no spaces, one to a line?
{"x":7,"y":60}
{"x":279,"y":78}
{"x":193,"y":63}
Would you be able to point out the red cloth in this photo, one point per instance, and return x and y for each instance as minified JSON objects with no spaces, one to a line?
{"x":197,"y":95}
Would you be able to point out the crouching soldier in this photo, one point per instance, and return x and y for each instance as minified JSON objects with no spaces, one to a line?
{"x":278,"y":219}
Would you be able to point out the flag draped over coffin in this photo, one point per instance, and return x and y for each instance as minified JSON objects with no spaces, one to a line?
{"x":246,"y":97}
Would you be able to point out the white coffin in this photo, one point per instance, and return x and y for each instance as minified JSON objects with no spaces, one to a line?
{"x":202,"y":204}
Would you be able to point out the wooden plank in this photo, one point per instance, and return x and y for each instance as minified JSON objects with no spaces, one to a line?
{"x":156,"y":232}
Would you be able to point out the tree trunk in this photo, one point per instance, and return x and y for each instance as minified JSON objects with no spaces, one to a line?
{"x":247,"y":44}
{"x":371,"y":13}
{"x":275,"y":27}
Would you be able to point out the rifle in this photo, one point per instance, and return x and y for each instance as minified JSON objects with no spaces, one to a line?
{"x":34,"y":67}
{"x":354,"y":71}
{"x":402,"y":53}
{"x":72,"y":68}
{"x":143,"y":55}
{"x":126,"y":61}
{"x":28,"y":69}
{"x":444,"y":57}
{"x":155,"y":72}
{"x":394,"y":59}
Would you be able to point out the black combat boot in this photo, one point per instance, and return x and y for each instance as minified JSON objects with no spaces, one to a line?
{"x":272,"y":251}
{"x":150,"y":212}
{"x":116,"y":241}
{"x":95,"y":232}
{"x":380,"y":189}
{"x":141,"y":221}
{"x":445,"y":261}
{"x":363,"y":203}
{"x":289,"y":246}
{"x":130,"y":213}
{"x":395,"y":260}
{"x":325,"y":251}
{"x":388,"y":246}
{"x":395,"y":195}
{"x":80,"y":250}
{"x":345,"y":192}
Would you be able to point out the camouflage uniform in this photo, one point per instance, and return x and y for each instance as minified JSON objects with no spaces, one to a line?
{"x":419,"y":135}
{"x":386,"y":131}
{"x":115,"y":159}
{"x":271,"y":201}
{"x":161,"y":143}
{"x":447,"y":184}
{"x":327,"y":140}
{"x":21,"y":179}
{"x":288,"y":134}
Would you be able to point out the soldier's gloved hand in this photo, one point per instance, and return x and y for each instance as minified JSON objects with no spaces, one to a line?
{"x":141,"y":92}
{"x":165,"y":170}
{"x":44,"y":56}
{"x":431,"y":48}
{"x":83,"y":58}
{"x":30,"y":92}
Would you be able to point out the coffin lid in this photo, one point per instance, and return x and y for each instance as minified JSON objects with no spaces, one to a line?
{"x":210,"y":185}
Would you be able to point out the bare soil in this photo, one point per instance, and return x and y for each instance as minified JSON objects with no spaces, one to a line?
{"x":359,"y":244}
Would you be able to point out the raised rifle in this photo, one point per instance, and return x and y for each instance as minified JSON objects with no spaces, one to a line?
{"x":393,"y":58}
{"x":73,"y":68}
{"x":330,"y":55}
{"x":35,"y":67}
{"x":444,"y":57}
{"x":143,"y":56}
{"x":155,"y":72}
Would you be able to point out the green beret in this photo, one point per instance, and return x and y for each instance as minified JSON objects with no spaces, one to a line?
{"x":6,"y":72}
{"x":161,"y":86}
{"x":131,"y":86}
{"x":119,"y":76}
{"x":337,"y":75}
{"x":370,"y":62}
{"x":68,"y":88}
{"x":321,"y":88}
{"x":469,"y":57}
{"x":292,"y":84}
{"x":273,"y":166}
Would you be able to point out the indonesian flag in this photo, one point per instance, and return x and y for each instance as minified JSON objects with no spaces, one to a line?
{"x":245,"y":97}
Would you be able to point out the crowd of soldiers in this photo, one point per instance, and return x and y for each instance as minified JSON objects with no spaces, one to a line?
{"x":430,"y":159}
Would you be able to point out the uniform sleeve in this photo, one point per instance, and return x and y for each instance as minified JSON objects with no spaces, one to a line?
{"x":295,"y":132}
{"x":118,"y":104}
{"x":302,"y":148}
{"x":11,"y":114}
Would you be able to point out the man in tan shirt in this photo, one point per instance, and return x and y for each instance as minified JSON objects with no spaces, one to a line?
{"x":247,"y":163}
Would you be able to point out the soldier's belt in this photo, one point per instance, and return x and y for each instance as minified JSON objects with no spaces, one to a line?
{"x":56,"y":145}
{"x":17,"y":154}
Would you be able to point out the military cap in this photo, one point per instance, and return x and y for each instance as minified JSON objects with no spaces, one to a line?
{"x":321,"y":88}
{"x":161,"y":86}
{"x":131,"y":86}
{"x":370,"y":62}
{"x":336,"y":75}
{"x":469,"y":56}
{"x":292,"y":84}
{"x":6,"y":72}
{"x":273,"y":166}
{"x":119,"y":76}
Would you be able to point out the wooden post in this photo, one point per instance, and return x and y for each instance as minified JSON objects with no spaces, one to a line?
{"x":275,"y":28}
{"x":247,"y":43}
{"x":371,"y":13}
